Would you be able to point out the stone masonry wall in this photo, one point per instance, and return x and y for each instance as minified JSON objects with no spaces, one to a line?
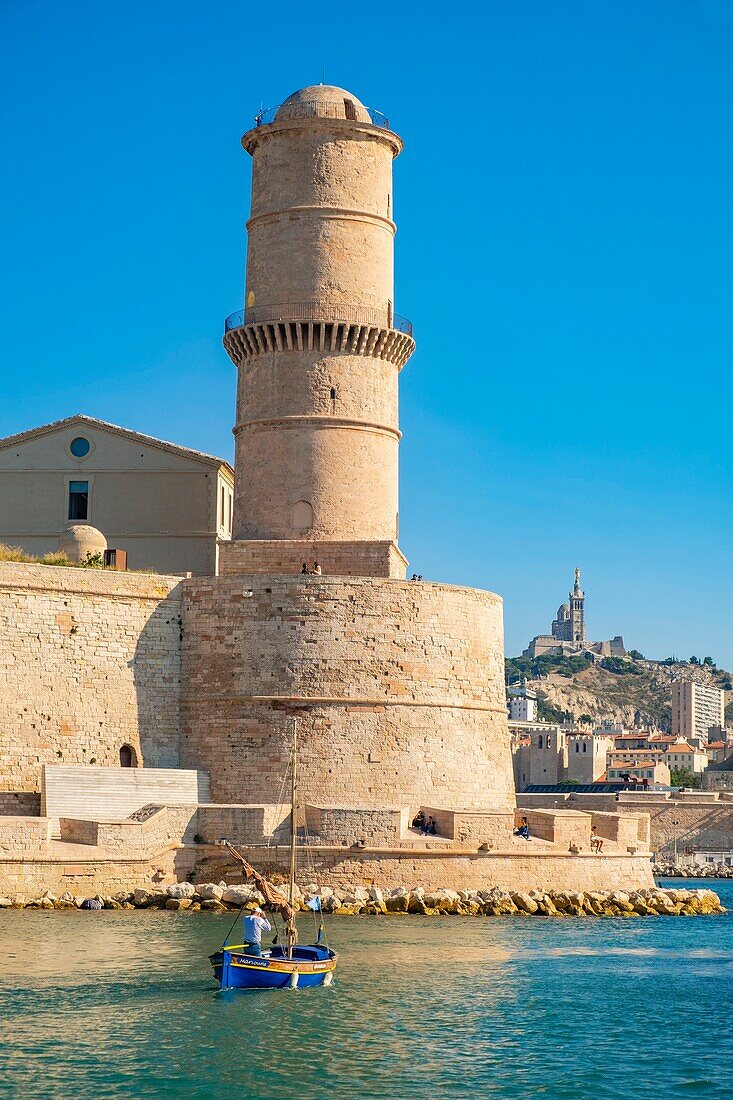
{"x":344,"y":825}
{"x":342,"y":559}
{"x":700,"y":823}
{"x":401,"y":682}
{"x":89,"y":661}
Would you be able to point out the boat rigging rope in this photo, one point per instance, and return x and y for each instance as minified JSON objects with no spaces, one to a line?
{"x":281,"y":801}
{"x":241,"y":910}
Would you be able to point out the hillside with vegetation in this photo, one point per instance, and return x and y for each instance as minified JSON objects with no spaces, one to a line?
{"x":626,"y":689}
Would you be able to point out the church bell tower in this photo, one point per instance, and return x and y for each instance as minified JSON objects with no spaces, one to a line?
{"x":577,"y":612}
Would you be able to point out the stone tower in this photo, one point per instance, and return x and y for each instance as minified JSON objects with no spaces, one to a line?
{"x":398,"y":686}
{"x":577,"y":613}
{"x":318,"y":346}
{"x":569,"y":626}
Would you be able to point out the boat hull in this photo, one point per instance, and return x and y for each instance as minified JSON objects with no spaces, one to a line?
{"x":309,"y":966}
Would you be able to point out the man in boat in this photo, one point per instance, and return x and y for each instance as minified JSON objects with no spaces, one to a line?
{"x":254,"y":925}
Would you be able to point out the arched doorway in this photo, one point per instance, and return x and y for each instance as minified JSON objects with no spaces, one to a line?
{"x":128,"y":757}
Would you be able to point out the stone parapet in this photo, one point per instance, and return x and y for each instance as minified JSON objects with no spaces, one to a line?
{"x":472,"y":827}
{"x":24,"y":835}
{"x":342,"y":559}
{"x":628,"y":831}
{"x":704,"y":823}
{"x":346,"y":824}
{"x":560,"y":827}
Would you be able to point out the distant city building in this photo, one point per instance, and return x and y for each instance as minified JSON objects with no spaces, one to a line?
{"x":717,"y":751}
{"x":586,"y":757}
{"x":539,"y":752}
{"x":641,"y":767}
{"x":522,"y":704}
{"x":696,"y":710}
{"x":719,"y":777}
{"x":569,"y":633}
{"x":167,"y":506}
{"x":686,"y":757}
{"x":546,"y":754}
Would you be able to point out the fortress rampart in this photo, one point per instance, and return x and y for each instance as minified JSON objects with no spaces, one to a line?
{"x":89,"y":661}
{"x":399,"y":684}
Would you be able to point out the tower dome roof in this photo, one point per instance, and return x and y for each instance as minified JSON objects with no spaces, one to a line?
{"x":323,"y":101}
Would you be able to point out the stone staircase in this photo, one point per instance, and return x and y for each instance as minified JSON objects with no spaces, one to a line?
{"x":112,"y":794}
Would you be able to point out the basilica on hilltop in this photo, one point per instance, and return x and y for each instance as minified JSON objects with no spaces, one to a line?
{"x":568,"y":632}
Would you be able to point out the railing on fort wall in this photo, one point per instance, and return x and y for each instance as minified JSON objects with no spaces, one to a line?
{"x":318,"y":312}
{"x":339,"y":108}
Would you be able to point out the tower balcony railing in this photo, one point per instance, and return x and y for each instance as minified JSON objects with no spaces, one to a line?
{"x":319,"y":312}
{"x":338,"y":108}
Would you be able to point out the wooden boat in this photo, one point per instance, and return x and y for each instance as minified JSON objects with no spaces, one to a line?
{"x":278,"y":967}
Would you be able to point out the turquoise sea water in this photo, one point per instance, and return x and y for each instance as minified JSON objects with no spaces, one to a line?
{"x":121,"y":1005}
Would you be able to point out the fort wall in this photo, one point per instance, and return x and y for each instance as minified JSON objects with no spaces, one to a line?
{"x":89,"y":661}
{"x":697,"y":819}
{"x":399,"y":686}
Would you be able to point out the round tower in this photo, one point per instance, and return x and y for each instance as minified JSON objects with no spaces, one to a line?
{"x":397,"y":686}
{"x":318,"y":345}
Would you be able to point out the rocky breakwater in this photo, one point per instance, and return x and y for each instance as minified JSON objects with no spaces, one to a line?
{"x":371,"y":901}
{"x":693,"y":870}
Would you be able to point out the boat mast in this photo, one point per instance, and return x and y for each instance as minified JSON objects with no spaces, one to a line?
{"x":293,"y":827}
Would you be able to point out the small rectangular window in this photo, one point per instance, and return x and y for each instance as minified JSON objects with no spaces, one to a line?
{"x":78,"y":500}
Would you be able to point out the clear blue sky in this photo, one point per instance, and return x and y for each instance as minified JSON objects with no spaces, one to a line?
{"x":564,"y":249}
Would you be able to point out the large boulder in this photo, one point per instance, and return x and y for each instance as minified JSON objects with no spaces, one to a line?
{"x":524,"y":903}
{"x":397,"y":902}
{"x":178,"y":903}
{"x":445,"y":901}
{"x":208,"y":890}
{"x":238,"y":895}
{"x":181,"y":890}
{"x":622,"y":901}
{"x":376,"y":897}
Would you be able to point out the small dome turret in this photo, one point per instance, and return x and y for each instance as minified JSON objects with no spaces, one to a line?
{"x":80,"y":540}
{"x":323,"y":101}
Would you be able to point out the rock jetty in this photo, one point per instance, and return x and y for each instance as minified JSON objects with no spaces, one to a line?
{"x":693,"y":870}
{"x":357,"y":900}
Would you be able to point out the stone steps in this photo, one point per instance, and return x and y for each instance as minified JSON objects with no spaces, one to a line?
{"x":112,"y":794}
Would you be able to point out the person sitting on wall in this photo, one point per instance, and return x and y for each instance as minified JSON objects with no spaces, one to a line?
{"x":418,"y":820}
{"x":596,"y":842}
{"x":523,"y":829}
{"x":304,"y":570}
{"x":428,"y":828}
{"x":254,"y":925}
{"x":316,"y":569}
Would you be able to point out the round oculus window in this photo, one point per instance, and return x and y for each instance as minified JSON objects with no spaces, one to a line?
{"x":80,"y":447}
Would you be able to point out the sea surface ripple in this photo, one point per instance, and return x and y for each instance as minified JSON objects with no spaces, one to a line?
{"x":121,"y":1004}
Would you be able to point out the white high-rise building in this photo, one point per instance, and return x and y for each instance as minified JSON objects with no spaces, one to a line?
{"x":522,"y":704}
{"x":696,"y":708}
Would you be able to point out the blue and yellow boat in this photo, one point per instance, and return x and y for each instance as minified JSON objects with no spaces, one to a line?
{"x":274,"y":969}
{"x":279,"y":967}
